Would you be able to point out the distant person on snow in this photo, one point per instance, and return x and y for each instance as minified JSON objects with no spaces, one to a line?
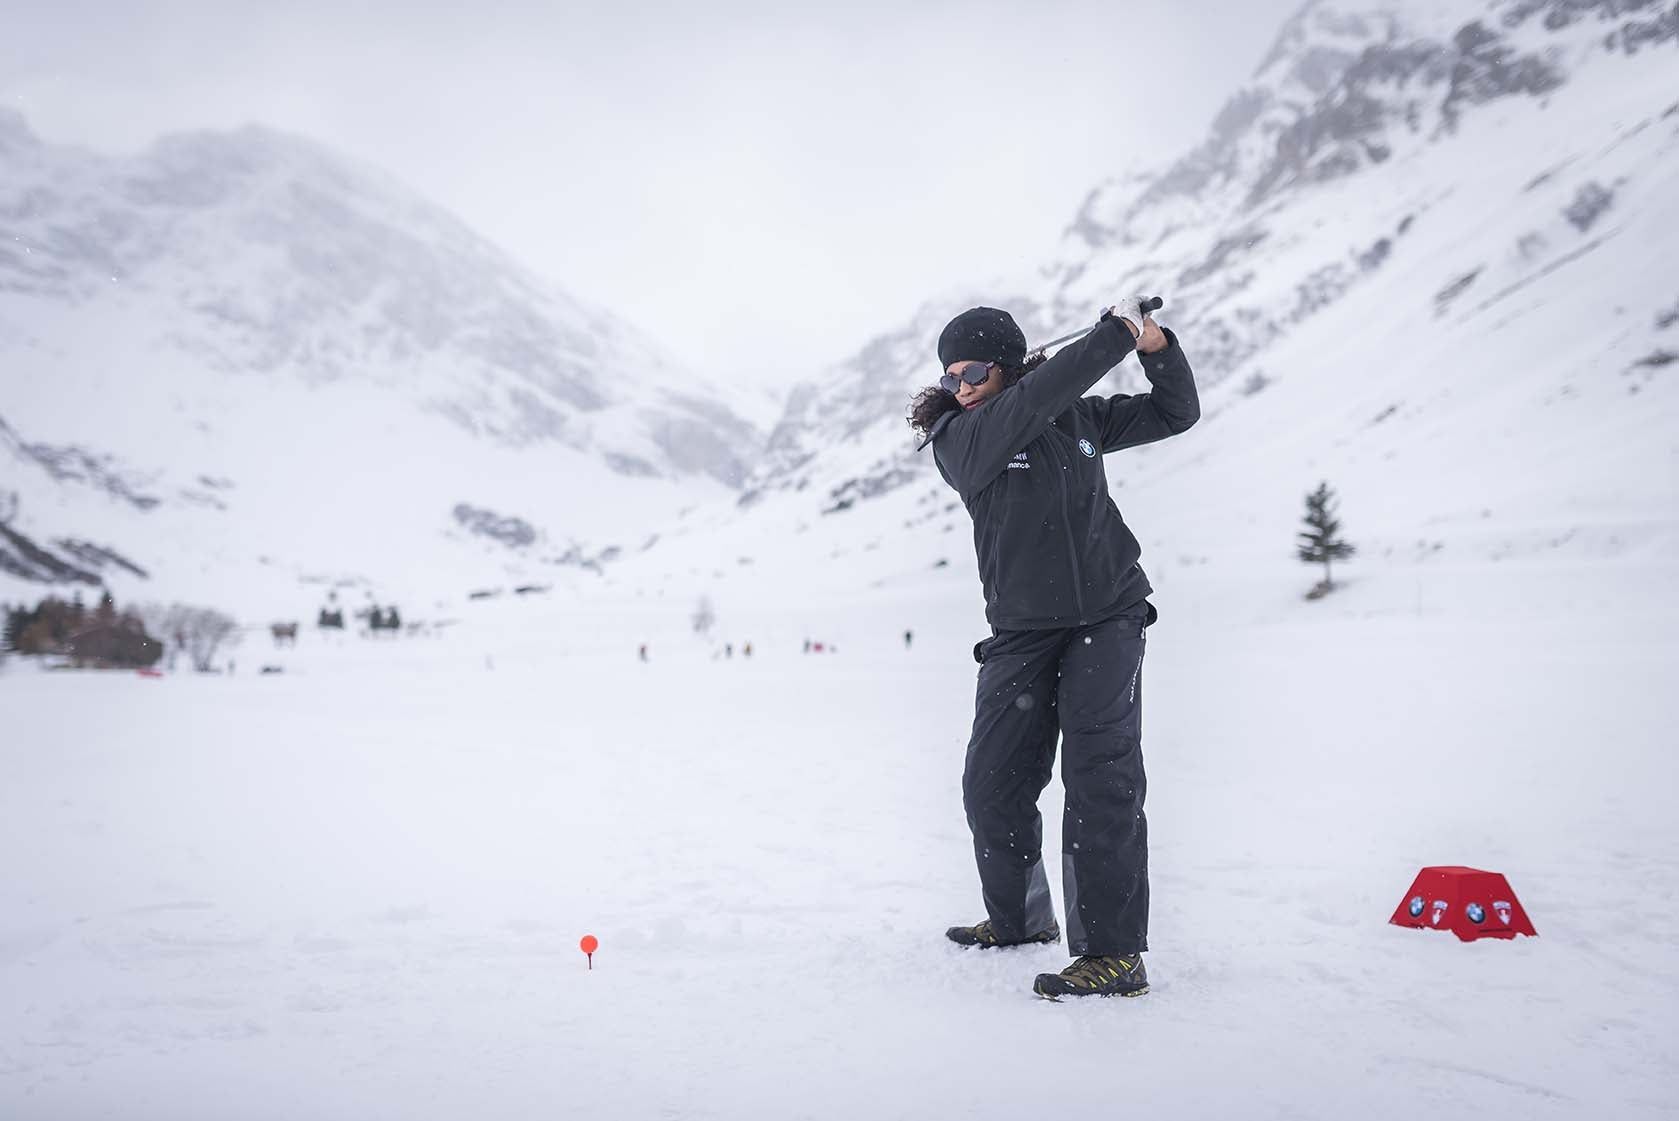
{"x":1067,"y":603}
{"x":909,"y":637}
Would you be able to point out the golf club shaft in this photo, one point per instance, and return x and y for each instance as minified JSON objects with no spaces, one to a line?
{"x":1153,"y":303}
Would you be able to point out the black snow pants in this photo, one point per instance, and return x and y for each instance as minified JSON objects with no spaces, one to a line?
{"x":1087,"y":684}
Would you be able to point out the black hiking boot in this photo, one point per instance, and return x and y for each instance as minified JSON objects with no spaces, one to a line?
{"x":1095,"y":976}
{"x":981,"y":935}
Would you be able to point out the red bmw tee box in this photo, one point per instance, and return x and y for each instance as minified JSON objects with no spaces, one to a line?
{"x":1466,"y":901}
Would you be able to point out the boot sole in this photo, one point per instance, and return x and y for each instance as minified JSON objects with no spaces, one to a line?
{"x":1001,"y":945}
{"x":1056,"y":941}
{"x":1056,"y":997}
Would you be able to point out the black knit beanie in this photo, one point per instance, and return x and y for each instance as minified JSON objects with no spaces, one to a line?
{"x":982,"y":334}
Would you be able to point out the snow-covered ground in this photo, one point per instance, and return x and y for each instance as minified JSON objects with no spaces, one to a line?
{"x":356,"y":889}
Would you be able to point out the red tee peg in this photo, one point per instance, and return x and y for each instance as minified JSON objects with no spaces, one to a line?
{"x":589,"y":945}
{"x":1468,"y":902}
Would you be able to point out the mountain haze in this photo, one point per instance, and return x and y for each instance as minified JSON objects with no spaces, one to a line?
{"x":245,"y":344}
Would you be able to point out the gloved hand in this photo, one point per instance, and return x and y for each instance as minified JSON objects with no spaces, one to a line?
{"x":1131,"y":311}
{"x":1135,"y":315}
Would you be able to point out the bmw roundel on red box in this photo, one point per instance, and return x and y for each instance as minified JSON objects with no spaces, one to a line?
{"x":1466,"y":901}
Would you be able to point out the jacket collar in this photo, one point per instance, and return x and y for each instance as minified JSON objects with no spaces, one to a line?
{"x":938,"y":426}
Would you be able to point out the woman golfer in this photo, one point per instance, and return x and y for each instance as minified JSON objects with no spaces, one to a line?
{"x":1067,"y":603}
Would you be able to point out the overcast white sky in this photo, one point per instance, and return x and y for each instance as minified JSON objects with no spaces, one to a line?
{"x":761,"y":186}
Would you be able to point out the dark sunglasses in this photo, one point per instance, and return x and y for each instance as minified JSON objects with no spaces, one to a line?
{"x":974,"y":373}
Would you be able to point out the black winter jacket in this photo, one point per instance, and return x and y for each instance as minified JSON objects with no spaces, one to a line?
{"x":1053,"y":550}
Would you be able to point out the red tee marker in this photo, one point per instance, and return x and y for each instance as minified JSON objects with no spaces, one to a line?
{"x":1466,"y":901}
{"x":589,"y":945}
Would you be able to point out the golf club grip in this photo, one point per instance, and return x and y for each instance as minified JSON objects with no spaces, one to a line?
{"x":1153,"y":303}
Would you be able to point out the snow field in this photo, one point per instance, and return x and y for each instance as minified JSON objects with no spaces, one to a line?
{"x":356,"y":889}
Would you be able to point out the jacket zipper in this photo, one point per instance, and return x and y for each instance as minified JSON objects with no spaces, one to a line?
{"x":1067,"y":526}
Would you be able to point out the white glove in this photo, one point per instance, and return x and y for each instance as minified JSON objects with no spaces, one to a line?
{"x":1131,"y":310}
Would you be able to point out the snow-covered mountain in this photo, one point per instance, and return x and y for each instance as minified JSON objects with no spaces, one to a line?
{"x":1425,"y":252}
{"x":237,"y":351}
{"x":1422,"y":252}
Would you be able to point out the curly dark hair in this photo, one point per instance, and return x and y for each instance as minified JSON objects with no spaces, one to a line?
{"x":933,"y":402}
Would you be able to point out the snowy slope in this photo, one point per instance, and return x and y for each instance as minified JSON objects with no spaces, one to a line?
{"x":238,"y":351}
{"x":1422,"y":255}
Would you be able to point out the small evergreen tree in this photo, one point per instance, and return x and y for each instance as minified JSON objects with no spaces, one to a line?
{"x":1321,"y":541}
{"x":47,"y":629}
{"x":17,"y":618}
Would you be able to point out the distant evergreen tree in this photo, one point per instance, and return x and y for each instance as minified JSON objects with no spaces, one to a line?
{"x":393,"y":621}
{"x":1321,"y":541}
{"x":16,"y":618}
{"x":47,"y":629}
